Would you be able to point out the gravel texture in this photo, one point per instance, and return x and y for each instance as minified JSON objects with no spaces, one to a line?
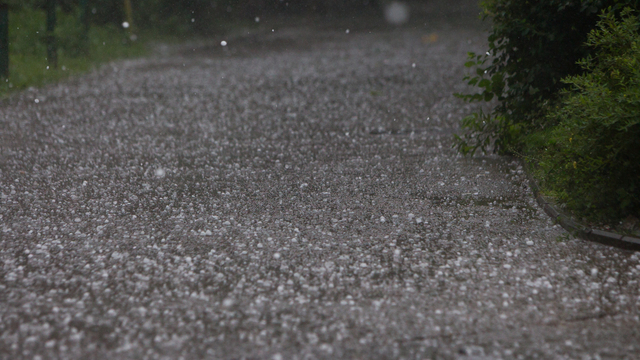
{"x":292,"y":195}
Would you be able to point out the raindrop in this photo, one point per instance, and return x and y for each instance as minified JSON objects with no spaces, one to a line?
{"x":257,"y":19}
{"x":413,"y":65}
{"x":347,"y":31}
{"x":396,"y":13}
{"x":193,"y":20}
{"x":125,"y":25}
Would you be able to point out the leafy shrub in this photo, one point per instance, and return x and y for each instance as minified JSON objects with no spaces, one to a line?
{"x":591,"y":160}
{"x":532,"y":46}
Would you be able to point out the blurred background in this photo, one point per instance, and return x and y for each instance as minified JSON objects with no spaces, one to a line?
{"x":45,"y":40}
{"x":207,"y":16}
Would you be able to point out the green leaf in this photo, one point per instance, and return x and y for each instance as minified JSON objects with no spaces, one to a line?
{"x":484,"y":83}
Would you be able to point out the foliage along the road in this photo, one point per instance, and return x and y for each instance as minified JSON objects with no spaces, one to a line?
{"x":545,"y":99}
{"x":591,"y":159}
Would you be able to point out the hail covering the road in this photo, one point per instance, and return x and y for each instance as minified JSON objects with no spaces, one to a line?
{"x":293,"y":195}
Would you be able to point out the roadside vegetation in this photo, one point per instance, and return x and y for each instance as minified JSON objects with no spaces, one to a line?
{"x":565,"y":80}
{"x":77,"y":51}
{"x":83,"y":45}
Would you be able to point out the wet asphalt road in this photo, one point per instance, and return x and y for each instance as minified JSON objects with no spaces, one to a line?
{"x":293,"y":195}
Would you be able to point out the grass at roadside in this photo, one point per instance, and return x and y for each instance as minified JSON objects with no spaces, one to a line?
{"x":28,"y":54}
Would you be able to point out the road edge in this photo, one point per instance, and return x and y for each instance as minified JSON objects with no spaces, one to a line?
{"x":576,"y":229}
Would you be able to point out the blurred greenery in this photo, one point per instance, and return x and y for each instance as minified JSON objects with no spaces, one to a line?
{"x":107,"y":40}
{"x":28,"y":52}
{"x":176,"y":15}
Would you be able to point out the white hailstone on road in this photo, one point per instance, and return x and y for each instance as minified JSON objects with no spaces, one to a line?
{"x":276,"y":256}
{"x":396,"y":255}
{"x":125,"y":25}
{"x":223,"y":43}
{"x":487,"y":224}
{"x":594,"y":272}
{"x":396,"y":13}
{"x":329,"y":265}
{"x":227,"y":302}
{"x":382,"y":219}
{"x":160,"y":172}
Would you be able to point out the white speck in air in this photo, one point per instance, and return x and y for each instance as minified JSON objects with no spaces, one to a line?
{"x":396,"y":13}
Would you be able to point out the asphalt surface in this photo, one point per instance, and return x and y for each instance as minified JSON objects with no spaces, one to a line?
{"x":293,"y":195}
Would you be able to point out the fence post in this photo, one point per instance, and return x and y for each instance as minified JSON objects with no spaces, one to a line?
{"x":4,"y":40}
{"x":128,"y":12}
{"x":52,"y":51}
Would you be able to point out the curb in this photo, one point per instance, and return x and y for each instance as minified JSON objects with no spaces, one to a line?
{"x":578,"y":230}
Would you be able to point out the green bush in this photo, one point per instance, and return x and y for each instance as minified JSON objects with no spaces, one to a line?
{"x":590,"y":160}
{"x":532,"y":46}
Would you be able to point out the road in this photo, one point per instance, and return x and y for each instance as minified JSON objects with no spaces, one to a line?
{"x":292,"y":195}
